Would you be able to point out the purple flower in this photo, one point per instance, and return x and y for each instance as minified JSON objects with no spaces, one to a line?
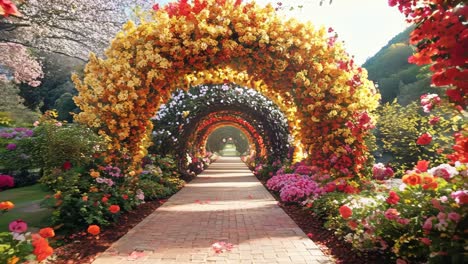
{"x":11,"y":146}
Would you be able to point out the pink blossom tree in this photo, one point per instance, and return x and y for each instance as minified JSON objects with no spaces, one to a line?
{"x":17,"y":60}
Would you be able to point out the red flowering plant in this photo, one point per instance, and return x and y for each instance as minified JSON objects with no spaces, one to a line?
{"x":421,"y":220}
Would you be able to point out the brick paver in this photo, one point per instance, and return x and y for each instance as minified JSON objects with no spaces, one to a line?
{"x":225,"y":203}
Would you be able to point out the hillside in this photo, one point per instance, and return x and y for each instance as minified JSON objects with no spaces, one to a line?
{"x":394,"y":76}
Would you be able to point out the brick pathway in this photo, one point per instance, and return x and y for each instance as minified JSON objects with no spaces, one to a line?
{"x":225,"y":203}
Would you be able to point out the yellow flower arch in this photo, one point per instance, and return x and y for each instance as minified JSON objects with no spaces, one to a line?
{"x":289,"y":59}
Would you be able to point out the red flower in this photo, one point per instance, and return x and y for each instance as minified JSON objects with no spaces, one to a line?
{"x":104,"y":199}
{"x":94,"y":230}
{"x":424,"y":139}
{"x":156,"y":7}
{"x":352,"y":224}
{"x":422,"y":165}
{"x":345,"y":211}
{"x":66,"y":165}
{"x":114,"y":209}
{"x":8,"y":8}
{"x":393,"y":198}
{"x":124,"y":196}
{"x":434,"y":120}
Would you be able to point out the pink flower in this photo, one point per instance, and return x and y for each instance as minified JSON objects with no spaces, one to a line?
{"x":401,"y":261}
{"x":434,"y":120}
{"x":461,"y":197}
{"x":425,"y":241}
{"x":444,"y":171}
{"x":454,"y":216}
{"x":443,"y":199}
{"x":18,"y":226}
{"x":403,"y":221}
{"x":428,"y":223}
{"x":391,"y":214}
{"x":36,"y":123}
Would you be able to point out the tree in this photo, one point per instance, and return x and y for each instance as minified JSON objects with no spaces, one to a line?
{"x":69,"y":27}
{"x":20,"y":64}
{"x":12,"y":108}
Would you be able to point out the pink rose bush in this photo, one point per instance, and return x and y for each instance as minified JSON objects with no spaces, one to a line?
{"x":381,"y":172}
{"x":294,"y":187}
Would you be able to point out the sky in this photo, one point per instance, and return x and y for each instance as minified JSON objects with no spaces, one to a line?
{"x":365,"y":26}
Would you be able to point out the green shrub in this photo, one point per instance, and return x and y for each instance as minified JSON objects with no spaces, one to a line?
{"x":154,"y":190}
{"x":399,"y":128}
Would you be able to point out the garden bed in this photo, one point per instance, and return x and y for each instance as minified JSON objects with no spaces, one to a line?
{"x":326,"y":240}
{"x":83,"y":248}
{"x":330,"y":245}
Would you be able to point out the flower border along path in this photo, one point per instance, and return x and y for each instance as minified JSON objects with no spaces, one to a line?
{"x":225,"y":205}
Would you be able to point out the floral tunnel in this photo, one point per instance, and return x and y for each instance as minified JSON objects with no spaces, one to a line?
{"x":183,"y":125}
{"x":228,"y":139}
{"x":281,"y":58}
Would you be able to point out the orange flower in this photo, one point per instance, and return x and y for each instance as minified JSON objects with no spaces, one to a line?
{"x":429,"y":182}
{"x":422,"y":165}
{"x":13,"y":260}
{"x":412,"y":179}
{"x":114,"y":209}
{"x":42,"y":250}
{"x":58,"y":195}
{"x":6,"y":205}
{"x":94,"y":173}
{"x":84,"y":198}
{"x":47,"y":232}
{"x":94,"y":230}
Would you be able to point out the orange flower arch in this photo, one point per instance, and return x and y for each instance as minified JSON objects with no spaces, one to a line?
{"x":146,"y":62}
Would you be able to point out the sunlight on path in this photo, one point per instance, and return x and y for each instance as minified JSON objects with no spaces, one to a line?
{"x":226,"y":203}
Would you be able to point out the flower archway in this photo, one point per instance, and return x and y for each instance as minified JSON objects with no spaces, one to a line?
{"x":146,"y":62}
{"x":178,"y":123}
{"x":217,"y":119}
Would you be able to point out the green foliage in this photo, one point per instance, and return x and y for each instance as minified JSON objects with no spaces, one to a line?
{"x":399,"y":128}
{"x":154,"y":190}
{"x":10,"y":248}
{"x":65,"y":106}
{"x":55,"y":143}
{"x":12,"y":110}
{"x":160,"y":178}
{"x":26,"y":201}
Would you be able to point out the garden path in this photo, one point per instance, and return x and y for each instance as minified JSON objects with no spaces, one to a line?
{"x":226,"y":203}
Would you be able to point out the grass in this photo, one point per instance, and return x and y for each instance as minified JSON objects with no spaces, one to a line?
{"x":26,"y":200}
